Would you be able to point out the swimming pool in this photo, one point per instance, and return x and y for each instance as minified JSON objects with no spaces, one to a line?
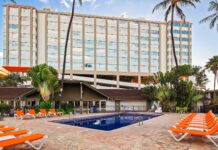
{"x":107,"y":122}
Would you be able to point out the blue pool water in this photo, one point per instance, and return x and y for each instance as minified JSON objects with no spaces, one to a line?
{"x":108,"y":122}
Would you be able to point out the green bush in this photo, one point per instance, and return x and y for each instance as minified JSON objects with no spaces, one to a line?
{"x":45,"y":105}
{"x":5,"y":109}
{"x":36,"y":108}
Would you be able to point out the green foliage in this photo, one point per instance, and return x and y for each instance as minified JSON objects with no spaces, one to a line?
{"x":45,"y":105}
{"x":45,"y":79}
{"x":149,"y":92}
{"x":5,"y":109}
{"x":172,"y":91}
{"x":12,"y":80}
{"x":212,"y":65}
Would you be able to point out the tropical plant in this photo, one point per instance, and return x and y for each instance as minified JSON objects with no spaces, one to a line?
{"x":212,"y":65}
{"x":66,"y":44}
{"x":149,"y":92}
{"x":213,"y":18}
{"x":12,"y":80}
{"x":166,"y":96}
{"x":172,"y":7}
{"x":45,"y":105}
{"x":45,"y":79}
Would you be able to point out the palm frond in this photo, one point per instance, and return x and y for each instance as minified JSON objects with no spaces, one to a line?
{"x":186,"y":3}
{"x":213,"y":21}
{"x":162,"y":5}
{"x":180,"y":13}
{"x":80,"y":1}
{"x":209,"y":18}
{"x":213,"y":6}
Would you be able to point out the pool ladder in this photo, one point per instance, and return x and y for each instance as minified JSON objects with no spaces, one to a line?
{"x":139,"y":120}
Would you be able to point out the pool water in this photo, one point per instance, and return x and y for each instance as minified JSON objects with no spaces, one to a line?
{"x":107,"y":122}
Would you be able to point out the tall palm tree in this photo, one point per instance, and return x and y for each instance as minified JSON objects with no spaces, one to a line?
{"x":212,"y":65}
{"x":213,"y":18}
{"x":174,"y":6}
{"x":65,"y":50}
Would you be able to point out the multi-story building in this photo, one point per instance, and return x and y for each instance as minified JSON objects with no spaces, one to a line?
{"x":115,"y":51}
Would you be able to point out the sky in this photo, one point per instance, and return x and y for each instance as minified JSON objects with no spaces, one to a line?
{"x":204,"y":39}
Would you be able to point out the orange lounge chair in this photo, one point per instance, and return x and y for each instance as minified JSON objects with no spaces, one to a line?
{"x":43,"y":113}
{"x":20,"y":115}
{"x":15,"y":133}
{"x":7,"y":129}
{"x":52,"y":112}
{"x":33,"y":113}
{"x":24,"y":140}
{"x":182,"y":133}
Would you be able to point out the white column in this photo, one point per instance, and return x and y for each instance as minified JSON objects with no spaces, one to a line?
{"x":139,"y":82}
{"x":99,"y":105}
{"x":95,"y":82}
{"x":118,"y":81}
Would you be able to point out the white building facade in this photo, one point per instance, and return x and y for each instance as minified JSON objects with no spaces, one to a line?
{"x":115,"y":51}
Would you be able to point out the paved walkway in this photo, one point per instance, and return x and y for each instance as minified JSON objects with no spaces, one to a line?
{"x":152,"y":135}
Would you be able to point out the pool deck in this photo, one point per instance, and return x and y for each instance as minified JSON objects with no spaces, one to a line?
{"x":152,"y":135}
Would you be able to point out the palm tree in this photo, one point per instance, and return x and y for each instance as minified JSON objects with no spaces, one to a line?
{"x":65,"y":50}
{"x":174,"y":6}
{"x":212,"y":65}
{"x":213,"y":18}
{"x":45,"y":79}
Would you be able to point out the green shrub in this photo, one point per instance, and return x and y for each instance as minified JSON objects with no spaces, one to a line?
{"x":5,"y":109}
{"x":45,"y":105}
{"x":36,"y":108}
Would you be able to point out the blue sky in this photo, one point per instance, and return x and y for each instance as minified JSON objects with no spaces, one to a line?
{"x":205,"y":40}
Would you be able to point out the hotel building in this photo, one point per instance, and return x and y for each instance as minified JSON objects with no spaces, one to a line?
{"x":113,"y":51}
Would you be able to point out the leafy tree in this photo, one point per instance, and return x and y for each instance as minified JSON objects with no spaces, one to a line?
{"x":45,"y":79}
{"x":165,"y":95}
{"x":213,"y":18}
{"x":212,"y":65}
{"x":172,"y":7}
{"x":66,"y":44}
{"x":12,"y":80}
{"x":150,"y":92}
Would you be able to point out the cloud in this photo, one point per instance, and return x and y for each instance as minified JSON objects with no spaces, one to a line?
{"x":124,"y":14}
{"x":109,"y":2}
{"x":65,"y":3}
{"x":44,"y":1}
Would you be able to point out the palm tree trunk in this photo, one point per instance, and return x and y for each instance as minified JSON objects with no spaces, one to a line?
{"x":214,"y":88}
{"x":172,"y":37}
{"x":65,"y":52}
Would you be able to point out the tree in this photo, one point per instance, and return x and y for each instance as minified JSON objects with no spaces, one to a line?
{"x":174,"y":6}
{"x":45,"y":79}
{"x":12,"y":80}
{"x":212,"y":19}
{"x":212,"y":65}
{"x":65,"y":50}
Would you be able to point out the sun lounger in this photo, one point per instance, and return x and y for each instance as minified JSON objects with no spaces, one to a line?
{"x":210,"y":134}
{"x":52,"y":112}
{"x":7,"y":129}
{"x":43,"y":112}
{"x":16,"y":133}
{"x":204,"y":125}
{"x":33,"y":113}
{"x":20,"y":115}
{"x":24,"y":140}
